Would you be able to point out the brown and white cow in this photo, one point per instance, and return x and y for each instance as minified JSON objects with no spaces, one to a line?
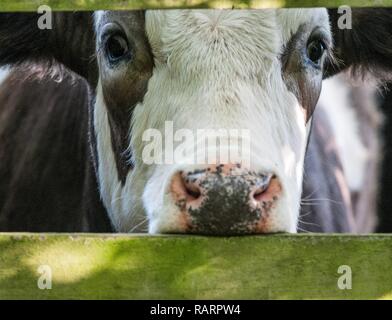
{"x":259,"y":70}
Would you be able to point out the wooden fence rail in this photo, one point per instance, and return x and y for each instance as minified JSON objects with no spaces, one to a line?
{"x":32,"y":5}
{"x":92,"y":266}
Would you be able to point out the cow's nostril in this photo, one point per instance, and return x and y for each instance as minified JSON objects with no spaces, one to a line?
{"x":259,"y":193}
{"x":268,"y":189}
{"x":261,"y":187}
{"x":185,"y":189}
{"x":192,"y":190}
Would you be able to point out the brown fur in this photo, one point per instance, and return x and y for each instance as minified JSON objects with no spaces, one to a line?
{"x":367,"y":47}
{"x":47,"y":176}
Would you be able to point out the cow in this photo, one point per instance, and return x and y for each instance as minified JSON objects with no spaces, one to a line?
{"x":261,"y":70}
{"x":350,"y":109}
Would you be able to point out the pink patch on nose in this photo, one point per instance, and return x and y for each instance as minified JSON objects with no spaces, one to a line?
{"x":266,"y":195}
{"x":187,"y":192}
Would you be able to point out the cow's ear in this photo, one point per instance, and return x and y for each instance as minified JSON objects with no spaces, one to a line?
{"x":366,"y":46}
{"x":68,"y":38}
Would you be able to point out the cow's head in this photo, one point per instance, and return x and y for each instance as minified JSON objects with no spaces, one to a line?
{"x":259,"y":71}
{"x":160,"y":78}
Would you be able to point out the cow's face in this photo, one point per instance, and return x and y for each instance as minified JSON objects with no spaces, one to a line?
{"x":256,"y":71}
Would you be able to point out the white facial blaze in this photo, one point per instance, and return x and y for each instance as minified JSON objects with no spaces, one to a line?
{"x":214,"y":69}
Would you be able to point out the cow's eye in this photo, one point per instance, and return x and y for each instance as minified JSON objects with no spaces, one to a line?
{"x":116,"y":48}
{"x":315,"y":51}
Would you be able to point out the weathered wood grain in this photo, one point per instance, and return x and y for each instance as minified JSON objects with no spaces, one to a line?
{"x":191,"y":267}
{"x":32,"y":5}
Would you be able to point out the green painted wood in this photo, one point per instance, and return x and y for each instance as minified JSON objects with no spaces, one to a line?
{"x":190,"y":267}
{"x":32,"y":5}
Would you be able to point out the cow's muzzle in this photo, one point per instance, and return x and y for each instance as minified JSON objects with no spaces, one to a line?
{"x":225,"y":199}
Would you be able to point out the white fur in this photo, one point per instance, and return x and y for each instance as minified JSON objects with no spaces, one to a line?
{"x":4,"y":72}
{"x":213,"y":69}
{"x":336,"y":102}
